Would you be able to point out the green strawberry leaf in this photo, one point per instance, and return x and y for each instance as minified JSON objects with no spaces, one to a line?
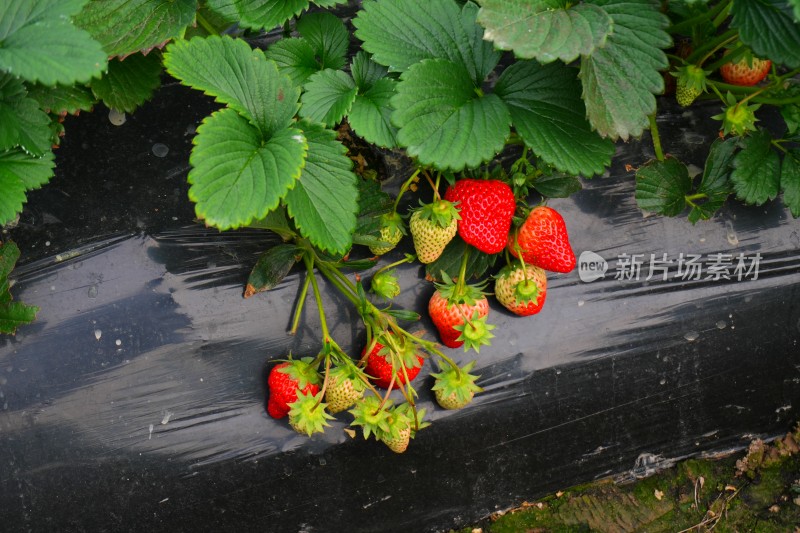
{"x":129,"y":83}
{"x":768,"y":27}
{"x":127,"y":26}
{"x":238,"y":76}
{"x":20,"y":172}
{"x":39,"y":42}
{"x":478,"y":263}
{"x":443,"y":118}
{"x":329,"y":3}
{"x":270,"y":268}
{"x":61,"y":99}
{"x":790,"y":181}
{"x":224,"y":9}
{"x":258,"y":14}
{"x":239,"y":174}
{"x":545,"y":30}
{"x":756,"y":172}
{"x":327,"y":36}
{"x":295,"y":58}
{"x":791,"y":116}
{"x":549,"y":115}
{"x":276,"y":221}
{"x":662,"y":186}
{"x":370,"y":115}
{"x":400,"y":34}
{"x":620,"y":79}
{"x":22,"y":123}
{"x":324,"y":202}
{"x":328,"y":96}
{"x":715,"y":183}
{"x":557,"y":185}
{"x":12,"y":314}
{"x":365,"y":71}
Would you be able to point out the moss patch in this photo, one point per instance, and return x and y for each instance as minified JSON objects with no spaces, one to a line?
{"x":758,"y":492}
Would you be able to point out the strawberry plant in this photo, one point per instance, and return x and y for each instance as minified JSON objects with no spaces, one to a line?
{"x":500,"y":105}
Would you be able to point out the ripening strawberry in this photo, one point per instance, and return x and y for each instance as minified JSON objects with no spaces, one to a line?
{"x":543,"y":241}
{"x":392,"y":230}
{"x":459,"y":315}
{"x":433,"y":226}
{"x":383,"y":360}
{"x":521,"y":290}
{"x":285,"y":380}
{"x":486,"y":208}
{"x":743,"y":73}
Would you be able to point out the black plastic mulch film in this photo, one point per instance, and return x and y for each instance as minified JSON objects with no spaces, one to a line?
{"x":135,"y":402}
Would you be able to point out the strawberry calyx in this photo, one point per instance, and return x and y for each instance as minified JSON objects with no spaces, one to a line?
{"x":307,"y":414}
{"x":738,"y":118}
{"x":692,"y":77}
{"x":372,"y":415}
{"x":441,"y":212}
{"x":385,"y":284}
{"x":455,"y":387}
{"x":475,"y":332}
{"x":459,"y":293}
{"x":303,"y":371}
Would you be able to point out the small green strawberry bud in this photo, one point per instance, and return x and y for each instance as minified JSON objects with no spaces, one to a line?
{"x":385,"y":285}
{"x":738,"y":118}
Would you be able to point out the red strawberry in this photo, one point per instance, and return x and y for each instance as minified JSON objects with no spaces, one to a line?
{"x":285,"y":380}
{"x":460,"y":315}
{"x":745,"y":73}
{"x":384,"y":357}
{"x":521,"y":291}
{"x":486,"y":208}
{"x":544,"y":242}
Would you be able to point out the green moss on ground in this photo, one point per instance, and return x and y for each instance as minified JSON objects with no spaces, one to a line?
{"x":757,"y":492}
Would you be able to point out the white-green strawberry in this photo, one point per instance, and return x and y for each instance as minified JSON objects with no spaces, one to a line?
{"x":344,"y":388}
{"x":307,"y":415}
{"x":455,"y":387}
{"x":433,"y":226}
{"x":392,"y":229}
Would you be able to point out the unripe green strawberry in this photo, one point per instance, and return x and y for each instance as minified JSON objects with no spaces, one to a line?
{"x":385,"y":285}
{"x":686,"y":95}
{"x":738,"y":118}
{"x":691,"y":84}
{"x":344,"y":389}
{"x":455,"y":387}
{"x":392,"y":230}
{"x":521,"y":291}
{"x":433,"y":226}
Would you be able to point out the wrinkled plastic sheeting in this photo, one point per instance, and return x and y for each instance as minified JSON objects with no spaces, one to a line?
{"x":136,"y":399}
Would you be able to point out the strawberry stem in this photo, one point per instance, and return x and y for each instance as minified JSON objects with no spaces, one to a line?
{"x":300,"y":304}
{"x":462,"y":274}
{"x":405,"y":187}
{"x":309,"y":261}
{"x":687,"y":25}
{"x":656,"y":137}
